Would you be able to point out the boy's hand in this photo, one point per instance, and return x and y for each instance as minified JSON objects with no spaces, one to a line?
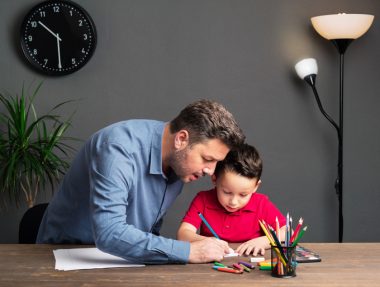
{"x":254,"y":246}
{"x":208,"y":250}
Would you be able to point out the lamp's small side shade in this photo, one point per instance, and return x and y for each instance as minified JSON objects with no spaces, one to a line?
{"x":306,"y":67}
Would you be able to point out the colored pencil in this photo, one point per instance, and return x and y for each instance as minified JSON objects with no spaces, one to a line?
{"x":272,"y":243}
{"x":267,"y":228}
{"x":287,"y":231}
{"x":208,"y":225}
{"x":299,"y":236}
{"x":298,"y":227}
{"x":278,"y":229}
{"x":266,"y":233}
{"x":283,"y":258}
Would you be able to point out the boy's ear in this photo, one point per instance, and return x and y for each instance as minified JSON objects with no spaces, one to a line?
{"x":181,"y":139}
{"x":258,"y":183}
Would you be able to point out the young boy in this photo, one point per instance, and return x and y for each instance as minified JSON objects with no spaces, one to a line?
{"x":233,"y":208}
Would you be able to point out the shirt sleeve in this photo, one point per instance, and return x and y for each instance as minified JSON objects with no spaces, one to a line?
{"x":191,"y":216}
{"x":111,"y":174}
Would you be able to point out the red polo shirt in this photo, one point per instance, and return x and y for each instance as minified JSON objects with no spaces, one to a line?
{"x":238,"y":226}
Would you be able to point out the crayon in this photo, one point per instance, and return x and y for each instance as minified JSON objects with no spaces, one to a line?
{"x":226,"y":269}
{"x":245,"y":268}
{"x":265,"y":268}
{"x":246,"y":264}
{"x":238,"y":267}
{"x":219,"y":264}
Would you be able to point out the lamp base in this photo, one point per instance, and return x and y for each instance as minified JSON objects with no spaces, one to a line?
{"x":341,"y":44}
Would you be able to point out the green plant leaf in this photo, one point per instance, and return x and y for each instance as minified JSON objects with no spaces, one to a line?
{"x":33,"y":149}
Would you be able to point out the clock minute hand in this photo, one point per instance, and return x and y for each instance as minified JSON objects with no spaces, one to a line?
{"x":59,"y":52}
{"x":50,"y":31}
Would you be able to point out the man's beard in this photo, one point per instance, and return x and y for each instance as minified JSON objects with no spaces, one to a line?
{"x":177,"y":163}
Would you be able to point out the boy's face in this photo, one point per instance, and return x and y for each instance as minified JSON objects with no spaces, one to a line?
{"x":234,"y":191}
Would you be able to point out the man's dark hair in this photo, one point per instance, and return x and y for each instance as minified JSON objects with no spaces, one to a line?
{"x":244,"y":160}
{"x":205,"y":120}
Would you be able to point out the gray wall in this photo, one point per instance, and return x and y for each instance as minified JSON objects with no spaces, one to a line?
{"x":154,"y":57}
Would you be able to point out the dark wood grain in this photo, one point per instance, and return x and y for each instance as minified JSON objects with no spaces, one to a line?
{"x":347,"y":264}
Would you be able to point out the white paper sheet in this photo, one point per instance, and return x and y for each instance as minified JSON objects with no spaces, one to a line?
{"x":88,"y":258}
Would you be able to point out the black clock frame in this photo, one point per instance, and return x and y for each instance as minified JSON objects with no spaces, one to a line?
{"x":37,"y":64}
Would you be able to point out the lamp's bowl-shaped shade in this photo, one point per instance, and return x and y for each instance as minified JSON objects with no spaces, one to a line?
{"x":342,"y":26}
{"x":306,"y":67}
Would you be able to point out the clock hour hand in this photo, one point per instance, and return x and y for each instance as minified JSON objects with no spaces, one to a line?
{"x":50,"y":31}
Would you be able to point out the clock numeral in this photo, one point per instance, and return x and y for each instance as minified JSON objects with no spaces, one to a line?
{"x":56,"y":9}
{"x":83,"y":51}
{"x":30,"y":38}
{"x":80,"y":23}
{"x":42,"y":14}
{"x":71,"y":12}
{"x":35,"y":52}
{"x":33,"y":24}
{"x":45,"y":61}
{"x":73,"y":61}
{"x":85,"y":37}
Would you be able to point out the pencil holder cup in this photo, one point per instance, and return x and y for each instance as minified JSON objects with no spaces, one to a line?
{"x":283,"y":261}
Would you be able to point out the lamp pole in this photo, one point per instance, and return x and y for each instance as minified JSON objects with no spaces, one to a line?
{"x":310,"y":79}
{"x":341,"y":45}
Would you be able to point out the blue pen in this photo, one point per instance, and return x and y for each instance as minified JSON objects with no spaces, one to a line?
{"x":208,"y":225}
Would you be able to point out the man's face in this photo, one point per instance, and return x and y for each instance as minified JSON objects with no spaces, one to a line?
{"x":191,"y":163}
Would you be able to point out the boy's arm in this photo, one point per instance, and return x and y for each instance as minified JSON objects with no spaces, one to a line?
{"x":188,"y":232}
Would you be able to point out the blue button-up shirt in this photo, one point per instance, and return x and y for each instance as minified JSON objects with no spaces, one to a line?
{"x":115,"y":195}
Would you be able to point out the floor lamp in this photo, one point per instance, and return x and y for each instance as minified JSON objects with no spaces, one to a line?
{"x":341,"y":30}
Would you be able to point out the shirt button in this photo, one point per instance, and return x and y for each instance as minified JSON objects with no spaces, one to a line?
{"x":227,"y":226}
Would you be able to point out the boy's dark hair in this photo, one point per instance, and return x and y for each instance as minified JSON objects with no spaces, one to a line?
{"x":205,"y":120}
{"x":244,"y":160}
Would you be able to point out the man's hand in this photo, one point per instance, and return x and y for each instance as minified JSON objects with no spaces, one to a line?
{"x":207,"y":250}
{"x":255,"y":246}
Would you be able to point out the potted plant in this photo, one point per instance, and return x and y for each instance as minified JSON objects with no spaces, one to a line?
{"x":33,"y":149}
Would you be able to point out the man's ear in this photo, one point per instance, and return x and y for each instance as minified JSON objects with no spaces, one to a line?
{"x":213,"y":178}
{"x":181,"y":139}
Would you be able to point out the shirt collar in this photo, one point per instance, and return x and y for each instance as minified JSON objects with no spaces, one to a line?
{"x":156,"y":154}
{"x":156,"y":150}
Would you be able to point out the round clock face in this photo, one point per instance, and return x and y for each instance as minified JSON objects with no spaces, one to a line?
{"x":58,"y":37}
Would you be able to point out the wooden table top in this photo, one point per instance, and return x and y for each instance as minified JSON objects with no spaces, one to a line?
{"x":343,"y":264}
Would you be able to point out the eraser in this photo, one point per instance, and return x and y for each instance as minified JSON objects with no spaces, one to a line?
{"x":257,"y":259}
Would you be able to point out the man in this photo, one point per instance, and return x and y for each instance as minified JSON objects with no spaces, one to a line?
{"x":127,"y":175}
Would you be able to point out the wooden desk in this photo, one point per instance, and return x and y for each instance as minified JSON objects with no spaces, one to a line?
{"x":347,"y":264}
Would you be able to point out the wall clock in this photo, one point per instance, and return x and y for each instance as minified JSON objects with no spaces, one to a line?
{"x":58,"y":37}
